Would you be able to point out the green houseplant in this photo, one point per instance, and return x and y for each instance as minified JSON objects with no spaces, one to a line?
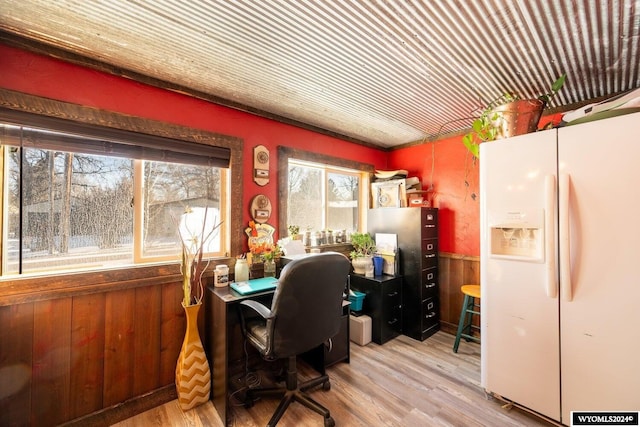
{"x":508,"y":115}
{"x":362,"y":255}
{"x":294,"y":232}
{"x":363,"y":245}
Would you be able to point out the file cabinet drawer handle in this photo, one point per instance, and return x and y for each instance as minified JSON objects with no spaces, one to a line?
{"x":391,"y":322}
{"x":430,"y":256}
{"x":430,"y":315}
{"x":392,"y":294}
{"x":430,"y":285}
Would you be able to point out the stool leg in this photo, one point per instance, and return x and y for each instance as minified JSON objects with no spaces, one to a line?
{"x":461,"y":323}
{"x":467,"y":331}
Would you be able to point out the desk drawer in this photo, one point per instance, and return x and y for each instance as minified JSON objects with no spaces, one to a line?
{"x":392,"y":296}
{"x":391,"y":324}
{"x":339,"y":349}
{"x":429,"y":283}
{"x":429,"y":253}
{"x":429,"y":313}
{"x":429,"y":223}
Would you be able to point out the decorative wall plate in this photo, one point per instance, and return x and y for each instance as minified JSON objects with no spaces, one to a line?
{"x":261,"y":165}
{"x":260,"y":208}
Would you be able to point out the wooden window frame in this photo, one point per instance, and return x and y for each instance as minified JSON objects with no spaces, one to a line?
{"x":16,"y":290}
{"x":286,"y":153}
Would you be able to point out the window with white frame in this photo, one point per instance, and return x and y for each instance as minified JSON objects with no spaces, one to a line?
{"x":75,"y":202}
{"x":321,"y":197}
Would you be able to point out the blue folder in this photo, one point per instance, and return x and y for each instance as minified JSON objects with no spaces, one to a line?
{"x":255,"y":285}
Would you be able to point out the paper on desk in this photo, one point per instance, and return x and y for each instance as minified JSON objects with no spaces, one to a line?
{"x":293,"y":247}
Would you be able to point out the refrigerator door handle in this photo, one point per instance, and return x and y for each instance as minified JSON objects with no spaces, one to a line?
{"x":549,"y":236}
{"x":564,"y":237}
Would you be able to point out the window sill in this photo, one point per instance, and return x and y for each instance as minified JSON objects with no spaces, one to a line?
{"x":19,"y":290}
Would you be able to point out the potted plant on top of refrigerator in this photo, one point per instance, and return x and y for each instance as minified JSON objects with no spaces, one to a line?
{"x":507,"y":116}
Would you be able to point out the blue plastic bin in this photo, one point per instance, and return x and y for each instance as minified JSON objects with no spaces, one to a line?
{"x":356,"y":300}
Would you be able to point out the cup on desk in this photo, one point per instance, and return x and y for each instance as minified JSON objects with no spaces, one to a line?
{"x":378,"y":263}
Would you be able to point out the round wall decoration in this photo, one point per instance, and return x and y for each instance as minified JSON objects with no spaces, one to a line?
{"x":260,"y":208}
{"x":263,"y":157}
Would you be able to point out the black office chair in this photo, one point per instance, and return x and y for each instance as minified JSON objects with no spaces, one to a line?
{"x":305,"y":313}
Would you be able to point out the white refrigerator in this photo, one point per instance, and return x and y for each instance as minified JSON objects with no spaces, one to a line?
{"x":560,"y":268}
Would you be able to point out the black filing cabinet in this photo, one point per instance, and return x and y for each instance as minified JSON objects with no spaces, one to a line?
{"x":383,"y":303}
{"x":417,"y":231}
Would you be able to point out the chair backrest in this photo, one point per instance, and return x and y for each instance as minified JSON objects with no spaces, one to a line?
{"x":307,"y":303}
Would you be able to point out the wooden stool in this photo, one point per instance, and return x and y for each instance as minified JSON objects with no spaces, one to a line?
{"x":465,"y":325}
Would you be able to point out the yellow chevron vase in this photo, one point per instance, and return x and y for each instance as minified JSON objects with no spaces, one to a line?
{"x":193,"y":377}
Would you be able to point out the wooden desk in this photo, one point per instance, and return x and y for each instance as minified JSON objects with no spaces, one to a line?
{"x":223,"y":341}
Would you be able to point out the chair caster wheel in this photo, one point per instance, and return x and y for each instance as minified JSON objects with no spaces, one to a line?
{"x":326,"y":386}
{"x":328,"y":422}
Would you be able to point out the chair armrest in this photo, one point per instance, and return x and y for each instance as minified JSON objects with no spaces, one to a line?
{"x":259,"y":308}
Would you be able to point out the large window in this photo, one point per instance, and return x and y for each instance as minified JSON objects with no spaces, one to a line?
{"x":76,"y":202}
{"x":323,"y":197}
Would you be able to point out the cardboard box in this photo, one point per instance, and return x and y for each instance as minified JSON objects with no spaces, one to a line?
{"x":415,"y":199}
{"x":360,"y":329}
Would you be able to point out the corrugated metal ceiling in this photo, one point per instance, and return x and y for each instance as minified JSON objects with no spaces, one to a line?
{"x":383,"y":72}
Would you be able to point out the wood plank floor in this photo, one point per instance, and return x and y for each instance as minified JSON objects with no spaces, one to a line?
{"x":401,"y":383}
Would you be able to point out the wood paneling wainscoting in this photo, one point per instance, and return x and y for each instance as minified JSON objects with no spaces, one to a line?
{"x":95,"y":348}
{"x":454,"y":271}
{"x":90,"y":347}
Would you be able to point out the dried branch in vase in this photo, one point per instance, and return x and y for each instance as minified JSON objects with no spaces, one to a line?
{"x":194,"y":235}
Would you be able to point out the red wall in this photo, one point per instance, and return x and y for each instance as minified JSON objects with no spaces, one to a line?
{"x":451,"y":169}
{"x":43,"y":76}
{"x":455,"y":189}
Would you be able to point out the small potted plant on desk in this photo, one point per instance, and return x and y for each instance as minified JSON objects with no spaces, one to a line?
{"x":294,"y":232}
{"x":364,"y":247}
{"x":508,"y":116}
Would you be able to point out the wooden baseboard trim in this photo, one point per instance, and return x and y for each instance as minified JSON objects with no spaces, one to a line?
{"x":459,"y":256}
{"x":448,"y":328}
{"x":126,"y":409}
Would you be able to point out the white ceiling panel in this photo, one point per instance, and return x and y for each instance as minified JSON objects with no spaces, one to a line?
{"x":386,"y":73}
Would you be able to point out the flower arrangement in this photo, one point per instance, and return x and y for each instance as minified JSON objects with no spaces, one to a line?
{"x":266,"y":252}
{"x":194,"y":235}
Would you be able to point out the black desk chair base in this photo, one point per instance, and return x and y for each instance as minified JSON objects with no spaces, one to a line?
{"x":293,"y":393}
